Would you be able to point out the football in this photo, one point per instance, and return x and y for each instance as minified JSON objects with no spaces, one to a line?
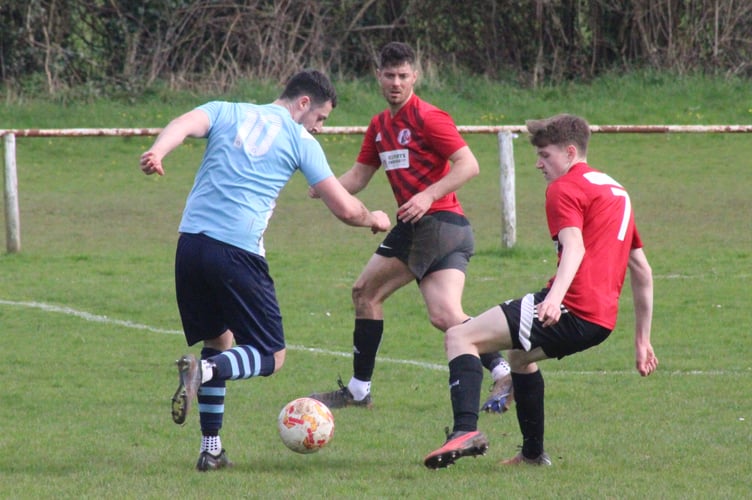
{"x":305,"y":425}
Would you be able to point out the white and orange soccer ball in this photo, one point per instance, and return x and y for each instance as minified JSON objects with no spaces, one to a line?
{"x":305,"y":425}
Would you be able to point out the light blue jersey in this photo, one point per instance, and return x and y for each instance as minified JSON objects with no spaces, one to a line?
{"x":251,"y":153}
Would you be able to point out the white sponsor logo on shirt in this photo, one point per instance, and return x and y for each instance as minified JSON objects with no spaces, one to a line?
{"x":392,"y":160}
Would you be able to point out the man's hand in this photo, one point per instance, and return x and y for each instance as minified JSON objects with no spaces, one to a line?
{"x":151,"y":164}
{"x":548,"y":312}
{"x":645,"y":361}
{"x":381,"y":222}
{"x":415,"y":208}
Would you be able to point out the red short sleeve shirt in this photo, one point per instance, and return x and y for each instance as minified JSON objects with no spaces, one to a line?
{"x":413,"y":147}
{"x":600,"y":207}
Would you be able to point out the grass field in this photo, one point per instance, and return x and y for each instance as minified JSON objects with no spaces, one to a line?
{"x":90,"y":328}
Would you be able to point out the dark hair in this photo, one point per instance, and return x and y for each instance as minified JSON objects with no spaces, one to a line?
{"x":560,"y":130}
{"x":396,"y":53}
{"x":312,"y":83}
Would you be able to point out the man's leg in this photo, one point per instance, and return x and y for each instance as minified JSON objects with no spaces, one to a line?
{"x":465,"y":379}
{"x":211,"y":411}
{"x":487,"y":332}
{"x":502,"y":390}
{"x":381,"y":277}
{"x":442,"y":292}
{"x":529,"y":389}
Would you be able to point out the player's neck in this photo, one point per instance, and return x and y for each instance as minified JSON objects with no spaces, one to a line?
{"x":395,"y":108}
{"x":290,"y":106}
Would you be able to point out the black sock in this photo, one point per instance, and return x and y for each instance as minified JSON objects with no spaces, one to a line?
{"x":491,"y":359}
{"x":366,"y":340}
{"x":528,"y":398}
{"x":465,"y":379}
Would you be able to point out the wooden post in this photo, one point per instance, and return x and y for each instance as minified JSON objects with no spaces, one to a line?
{"x":12,"y":219}
{"x":508,"y":210}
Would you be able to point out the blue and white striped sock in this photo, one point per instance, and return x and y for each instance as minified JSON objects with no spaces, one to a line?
{"x":242,"y":361}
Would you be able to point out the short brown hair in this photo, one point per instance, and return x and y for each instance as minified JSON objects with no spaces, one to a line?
{"x":396,"y":53}
{"x":560,"y":130}
{"x":312,"y":83}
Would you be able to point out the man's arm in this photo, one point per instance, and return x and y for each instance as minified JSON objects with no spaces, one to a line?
{"x":641,"y":279}
{"x":354,"y":180}
{"x":464,"y":166}
{"x":348,"y":208}
{"x":192,"y":124}
{"x":573,"y":251}
{"x":357,"y":178}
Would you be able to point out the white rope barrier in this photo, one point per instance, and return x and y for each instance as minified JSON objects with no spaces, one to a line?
{"x":506,"y":160}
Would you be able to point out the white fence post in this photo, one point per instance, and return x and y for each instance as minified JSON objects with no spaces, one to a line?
{"x":12,"y":219}
{"x":508,"y":210}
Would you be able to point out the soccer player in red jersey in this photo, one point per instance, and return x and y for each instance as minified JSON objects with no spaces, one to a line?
{"x":425,"y":160}
{"x":590,"y":219}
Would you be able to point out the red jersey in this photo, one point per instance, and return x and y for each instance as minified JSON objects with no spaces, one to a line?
{"x":600,"y":207}
{"x":413,"y":146}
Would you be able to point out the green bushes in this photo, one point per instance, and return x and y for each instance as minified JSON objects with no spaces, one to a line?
{"x":81,"y":48}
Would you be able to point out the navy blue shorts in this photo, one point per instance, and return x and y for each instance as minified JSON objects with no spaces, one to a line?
{"x":221,"y":287}
{"x":570,"y":335}
{"x":441,"y":240}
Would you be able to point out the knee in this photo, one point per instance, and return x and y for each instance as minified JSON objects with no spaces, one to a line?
{"x":361,"y":296}
{"x":439,"y":322}
{"x":357,"y":292}
{"x":221,"y":343}
{"x":519,"y":361}
{"x":443,"y":320}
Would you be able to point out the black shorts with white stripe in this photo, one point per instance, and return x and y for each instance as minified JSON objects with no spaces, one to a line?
{"x":569,"y":335}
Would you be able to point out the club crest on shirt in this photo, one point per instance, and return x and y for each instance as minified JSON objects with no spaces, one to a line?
{"x":404,"y":137}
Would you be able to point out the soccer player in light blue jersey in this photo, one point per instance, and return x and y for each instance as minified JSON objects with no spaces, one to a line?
{"x":225,"y":294}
